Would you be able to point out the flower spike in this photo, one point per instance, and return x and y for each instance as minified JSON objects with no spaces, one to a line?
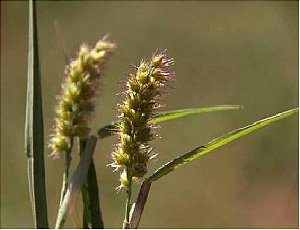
{"x":78,"y":92}
{"x":144,"y":89}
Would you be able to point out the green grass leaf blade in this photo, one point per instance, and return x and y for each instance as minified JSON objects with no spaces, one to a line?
{"x":92,"y":215}
{"x":76,"y":182}
{"x":107,"y":130}
{"x":218,"y":142}
{"x":170,"y":115}
{"x":96,"y":214}
{"x":34,"y":131}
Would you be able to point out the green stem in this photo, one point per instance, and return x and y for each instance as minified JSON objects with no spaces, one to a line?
{"x":140,"y":204}
{"x":68,"y":160}
{"x":128,"y":200}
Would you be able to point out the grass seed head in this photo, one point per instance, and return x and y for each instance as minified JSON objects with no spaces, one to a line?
{"x":79,"y":90}
{"x":133,"y":152}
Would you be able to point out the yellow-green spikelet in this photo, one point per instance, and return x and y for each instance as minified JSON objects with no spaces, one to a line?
{"x":132,"y":152}
{"x":77,"y":98}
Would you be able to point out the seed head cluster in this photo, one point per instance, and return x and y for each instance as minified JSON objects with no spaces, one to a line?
{"x":144,"y":88}
{"x":78,"y":93}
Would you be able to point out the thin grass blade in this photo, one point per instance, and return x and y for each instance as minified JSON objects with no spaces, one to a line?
{"x":108,"y":130}
{"x":92,"y":215}
{"x":76,"y":182}
{"x":170,"y":115}
{"x":218,"y":142}
{"x":34,"y":131}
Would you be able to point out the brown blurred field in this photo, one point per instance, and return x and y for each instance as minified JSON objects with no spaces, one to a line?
{"x":226,"y":53}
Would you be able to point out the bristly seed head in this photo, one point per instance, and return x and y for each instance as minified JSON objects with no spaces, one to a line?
{"x":133,"y":152}
{"x":78,"y":92}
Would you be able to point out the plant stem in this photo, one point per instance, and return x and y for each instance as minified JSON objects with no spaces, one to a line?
{"x":140,"y":204}
{"x":128,"y":200}
{"x":68,"y":160}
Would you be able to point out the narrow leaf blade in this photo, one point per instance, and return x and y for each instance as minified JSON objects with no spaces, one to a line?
{"x":108,"y":130}
{"x":92,"y":215}
{"x":170,"y":115}
{"x":34,"y":131}
{"x":216,"y":143}
{"x":76,"y":182}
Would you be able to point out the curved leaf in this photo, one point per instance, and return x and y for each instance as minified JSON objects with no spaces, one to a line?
{"x":216,"y":143}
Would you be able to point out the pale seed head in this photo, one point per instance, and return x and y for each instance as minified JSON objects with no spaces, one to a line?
{"x":76,"y":102}
{"x":139,"y":105}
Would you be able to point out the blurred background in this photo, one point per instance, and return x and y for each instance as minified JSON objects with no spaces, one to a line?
{"x":233,"y":52}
